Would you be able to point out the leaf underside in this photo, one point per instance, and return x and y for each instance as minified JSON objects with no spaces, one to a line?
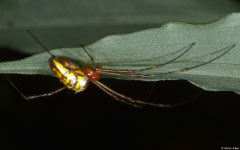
{"x":154,"y":46}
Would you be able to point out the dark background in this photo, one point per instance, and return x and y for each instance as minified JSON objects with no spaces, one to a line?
{"x":92,"y":119}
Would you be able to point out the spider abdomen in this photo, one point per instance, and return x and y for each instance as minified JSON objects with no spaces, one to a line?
{"x":69,"y":74}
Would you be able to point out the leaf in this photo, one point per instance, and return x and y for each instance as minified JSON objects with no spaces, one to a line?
{"x":151,"y":47}
{"x":65,"y":24}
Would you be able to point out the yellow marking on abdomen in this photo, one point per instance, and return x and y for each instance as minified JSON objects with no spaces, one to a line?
{"x":75,"y":80}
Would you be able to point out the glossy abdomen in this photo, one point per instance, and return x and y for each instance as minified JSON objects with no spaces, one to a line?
{"x":69,"y":74}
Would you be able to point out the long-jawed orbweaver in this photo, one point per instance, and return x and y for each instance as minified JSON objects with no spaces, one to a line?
{"x":75,"y":78}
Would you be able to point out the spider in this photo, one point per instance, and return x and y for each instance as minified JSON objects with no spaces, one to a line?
{"x":77,"y":79}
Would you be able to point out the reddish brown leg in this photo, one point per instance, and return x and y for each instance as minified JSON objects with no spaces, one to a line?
{"x":35,"y":96}
{"x":106,"y":90}
{"x":165,"y":73}
{"x":153,"y":67}
{"x":124,"y":98}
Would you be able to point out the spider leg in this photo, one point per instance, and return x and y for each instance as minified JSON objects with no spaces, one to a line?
{"x":170,"y":72}
{"x":35,"y":96}
{"x":133,"y":102}
{"x":110,"y":93}
{"x":153,"y":67}
{"x":88,"y":55}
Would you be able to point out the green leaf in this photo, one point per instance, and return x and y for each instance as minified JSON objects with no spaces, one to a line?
{"x":65,"y":24}
{"x":151,"y":47}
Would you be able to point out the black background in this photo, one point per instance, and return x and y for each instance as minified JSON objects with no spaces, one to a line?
{"x":92,"y":119}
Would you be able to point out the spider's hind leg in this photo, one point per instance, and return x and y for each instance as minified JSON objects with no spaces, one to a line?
{"x":169,"y":72}
{"x":153,"y":67}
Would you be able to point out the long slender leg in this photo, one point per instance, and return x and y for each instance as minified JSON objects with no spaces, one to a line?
{"x":124,"y":98}
{"x":35,"y":96}
{"x":170,"y":72}
{"x":153,"y":67}
{"x":93,"y":63}
{"x":45,"y":94}
{"x":106,"y":90}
